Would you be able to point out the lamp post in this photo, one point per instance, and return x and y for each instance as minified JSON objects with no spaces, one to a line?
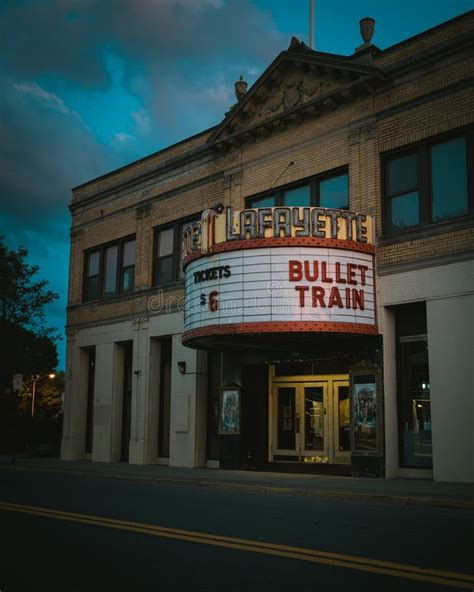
{"x":35,"y":378}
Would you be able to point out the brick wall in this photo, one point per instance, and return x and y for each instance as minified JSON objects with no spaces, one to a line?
{"x":189,"y":177}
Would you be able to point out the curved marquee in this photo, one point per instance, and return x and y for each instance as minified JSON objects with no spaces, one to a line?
{"x":286,"y":285}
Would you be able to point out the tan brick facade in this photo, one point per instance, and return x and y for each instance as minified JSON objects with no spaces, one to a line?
{"x":309,"y":116}
{"x":429,"y":92}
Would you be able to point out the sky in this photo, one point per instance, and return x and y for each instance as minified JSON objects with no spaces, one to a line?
{"x":87,"y":86}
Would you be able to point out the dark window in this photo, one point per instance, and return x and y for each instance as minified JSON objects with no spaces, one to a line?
{"x":168,"y":253}
{"x":328,"y":191}
{"x":164,"y":398}
{"x":126,"y":400}
{"x":128,"y":266}
{"x":93,"y":290}
{"x":413,"y":387}
{"x":428,"y":183}
{"x":109,"y":270}
{"x":90,"y":357}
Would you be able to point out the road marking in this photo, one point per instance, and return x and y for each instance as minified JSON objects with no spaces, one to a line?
{"x":400,"y":570}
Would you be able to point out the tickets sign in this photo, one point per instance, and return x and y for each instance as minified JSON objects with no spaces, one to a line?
{"x":284,"y":282}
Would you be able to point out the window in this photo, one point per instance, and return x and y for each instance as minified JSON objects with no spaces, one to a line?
{"x":413,"y":386}
{"x":428,"y":183}
{"x":168,"y":253}
{"x":327,"y":191}
{"x":110,"y":270}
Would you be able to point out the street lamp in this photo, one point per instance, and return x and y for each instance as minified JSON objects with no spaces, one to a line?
{"x":35,"y":378}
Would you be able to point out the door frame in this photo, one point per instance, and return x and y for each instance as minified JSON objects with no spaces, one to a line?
{"x":330,"y":383}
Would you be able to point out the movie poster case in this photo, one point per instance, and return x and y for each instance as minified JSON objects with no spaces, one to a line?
{"x":367,"y":414}
{"x":229,"y":411}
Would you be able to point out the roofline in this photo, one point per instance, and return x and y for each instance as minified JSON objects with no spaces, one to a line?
{"x":280,"y":55}
{"x":459,"y":17}
{"x":143,"y":159}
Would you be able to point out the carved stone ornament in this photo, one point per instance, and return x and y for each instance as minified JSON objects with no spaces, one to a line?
{"x":292,"y":94}
{"x":240,"y":88}
{"x":367,"y":27}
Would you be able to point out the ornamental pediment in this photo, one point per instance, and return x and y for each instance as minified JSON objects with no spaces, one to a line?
{"x":300,"y":83}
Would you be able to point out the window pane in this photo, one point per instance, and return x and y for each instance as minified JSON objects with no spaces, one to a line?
{"x":414,"y":393}
{"x":93,"y":264}
{"x":301,"y":196}
{"x":405,"y":210}
{"x":111,"y":256}
{"x":314,"y":418}
{"x":402,"y":174}
{"x":263,"y":202}
{"x":93,"y":288}
{"x":165,"y":242}
{"x":129,"y":254}
{"x":334,"y":192}
{"x":449,"y":179}
{"x":128,"y":278}
{"x":165,"y":270}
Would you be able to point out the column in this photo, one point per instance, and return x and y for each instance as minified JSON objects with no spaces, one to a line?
{"x":105,"y":421}
{"x":145,"y":392}
{"x":75,"y":400}
{"x":183,"y":406}
{"x":450,"y":347}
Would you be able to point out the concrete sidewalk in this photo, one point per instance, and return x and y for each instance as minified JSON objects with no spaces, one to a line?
{"x":401,"y":491}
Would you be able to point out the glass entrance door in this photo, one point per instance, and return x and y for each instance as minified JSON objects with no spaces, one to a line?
{"x":310,"y":419}
{"x":300,"y":421}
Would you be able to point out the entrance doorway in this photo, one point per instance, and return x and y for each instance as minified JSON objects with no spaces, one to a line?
{"x":310,"y":419}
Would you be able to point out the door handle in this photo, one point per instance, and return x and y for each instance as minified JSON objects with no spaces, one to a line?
{"x":297,"y":425}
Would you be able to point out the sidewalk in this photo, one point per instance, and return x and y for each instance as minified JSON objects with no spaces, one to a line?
{"x":401,"y":491}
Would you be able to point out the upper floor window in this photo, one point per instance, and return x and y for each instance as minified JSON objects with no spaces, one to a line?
{"x":110,"y":269}
{"x":326,"y":191}
{"x":167,"y":267}
{"x":428,"y":183}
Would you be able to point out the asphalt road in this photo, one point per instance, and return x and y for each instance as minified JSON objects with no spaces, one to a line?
{"x":85,"y":534}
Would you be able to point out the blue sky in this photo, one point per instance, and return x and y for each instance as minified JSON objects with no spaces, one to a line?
{"x":90,"y":85}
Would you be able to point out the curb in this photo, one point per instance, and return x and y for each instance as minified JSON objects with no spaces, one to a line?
{"x":321,"y":494}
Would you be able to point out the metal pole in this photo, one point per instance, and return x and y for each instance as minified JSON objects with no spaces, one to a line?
{"x":33,"y":398}
{"x":311,"y":24}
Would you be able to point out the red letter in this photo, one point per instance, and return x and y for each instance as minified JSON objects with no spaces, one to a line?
{"x":213,"y":302}
{"x":363,"y":269}
{"x":318,"y":296}
{"x":335,"y":298}
{"x":357,"y":299}
{"x":307,"y":271}
{"x":301,"y":290}
{"x":351,"y":267}
{"x":339,"y":279}
{"x":295,"y":271}
{"x":324,"y":276}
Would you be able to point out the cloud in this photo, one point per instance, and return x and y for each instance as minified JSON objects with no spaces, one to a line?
{"x":172,"y":60}
{"x":121,"y":138}
{"x":42,"y":95}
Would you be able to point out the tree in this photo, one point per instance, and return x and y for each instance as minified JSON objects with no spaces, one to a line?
{"x":22,"y":300}
{"x":26,"y":343}
{"x":49,"y":396}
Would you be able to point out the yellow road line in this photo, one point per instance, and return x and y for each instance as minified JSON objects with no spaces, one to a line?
{"x":405,"y":571}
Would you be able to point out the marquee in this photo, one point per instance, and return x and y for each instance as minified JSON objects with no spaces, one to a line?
{"x":279,"y":270}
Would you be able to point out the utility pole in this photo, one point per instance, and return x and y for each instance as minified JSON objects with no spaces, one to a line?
{"x":311,"y":24}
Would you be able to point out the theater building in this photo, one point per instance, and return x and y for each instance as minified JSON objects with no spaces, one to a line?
{"x":292,"y":289}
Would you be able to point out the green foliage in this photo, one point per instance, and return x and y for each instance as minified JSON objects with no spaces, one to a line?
{"x":48,"y":398}
{"x":26,"y":344}
{"x":22,"y":300}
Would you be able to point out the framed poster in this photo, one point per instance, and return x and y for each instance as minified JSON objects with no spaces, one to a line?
{"x":367,"y":415}
{"x":229,"y":411}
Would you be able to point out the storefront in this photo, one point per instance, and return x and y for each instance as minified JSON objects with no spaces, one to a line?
{"x":292,"y":288}
{"x":287,"y":295}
